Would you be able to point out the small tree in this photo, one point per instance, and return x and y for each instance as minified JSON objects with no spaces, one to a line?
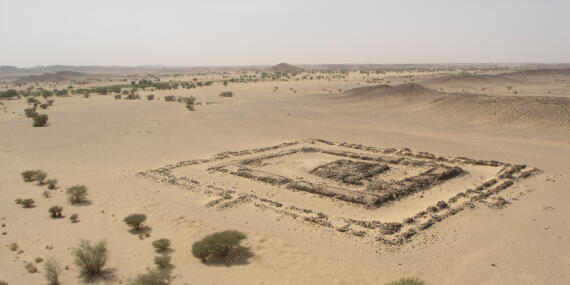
{"x":77,"y":193}
{"x":161,"y":245}
{"x":91,"y":258}
{"x":52,"y":271}
{"x":135,"y":220}
{"x":55,"y":211}
{"x":218,"y":245}
{"x":51,"y":183}
{"x":40,"y":120}
{"x":153,"y":277}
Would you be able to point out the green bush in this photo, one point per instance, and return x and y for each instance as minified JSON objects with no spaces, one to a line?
{"x":135,"y":220}
{"x":91,"y":258}
{"x":32,"y":100}
{"x":30,"y":112}
{"x":55,"y":211}
{"x":153,"y":277}
{"x":77,"y":193}
{"x":162,"y":261}
{"x":133,"y":97}
{"x":407,"y":281}
{"x":170,"y":98}
{"x":51,"y":183}
{"x":39,"y":176}
{"x":44,"y":105}
{"x":52,"y":271}
{"x":227,"y":94}
{"x":161,"y":245}
{"x":217,"y":245}
{"x":40,"y":120}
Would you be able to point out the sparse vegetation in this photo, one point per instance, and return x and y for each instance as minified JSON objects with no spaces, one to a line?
{"x":77,"y":193}
{"x":51,"y":183}
{"x":170,"y":98}
{"x":135,"y":220}
{"x":28,"y":203}
{"x":407,"y":281}
{"x":161,"y":245}
{"x":162,"y":261}
{"x":28,"y":175}
{"x":40,"y":120}
{"x":150,"y":97}
{"x":52,"y":271}
{"x":218,"y":244}
{"x":117,"y":97}
{"x":153,"y":277}
{"x":39,"y":176}
{"x":55,"y":211}
{"x":227,"y":94}
{"x":74,"y":218}
{"x":30,"y":112}
{"x":31,"y":268}
{"x":91,"y":258}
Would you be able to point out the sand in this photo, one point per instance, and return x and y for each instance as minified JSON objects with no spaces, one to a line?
{"x":105,"y":144}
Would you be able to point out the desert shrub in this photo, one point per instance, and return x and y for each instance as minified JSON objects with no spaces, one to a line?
{"x":133,"y":97}
{"x":217,"y":245}
{"x":28,"y":203}
{"x":407,"y":281}
{"x":46,"y":194}
{"x":28,"y":175}
{"x":3,"y":282}
{"x":51,"y":183}
{"x":190,"y":107}
{"x":153,"y":277}
{"x":32,"y":100}
{"x":50,"y":102}
{"x":150,"y":97}
{"x":90,"y":258}
{"x":40,"y":120}
{"x":86,"y":95}
{"x":55,"y":211}
{"x":74,"y":218}
{"x":30,"y":112}
{"x":52,"y":270}
{"x":13,"y":246}
{"x":77,"y":193}
{"x":44,"y":105}
{"x":162,"y":261}
{"x":118,"y":96}
{"x":187,"y":100}
{"x":227,"y":94}
{"x":170,"y":98}
{"x":135,"y":220}
{"x":161,"y":245}
{"x":39,"y":176}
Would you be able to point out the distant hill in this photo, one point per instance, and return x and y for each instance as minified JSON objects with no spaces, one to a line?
{"x":52,"y":77}
{"x":285,"y":68}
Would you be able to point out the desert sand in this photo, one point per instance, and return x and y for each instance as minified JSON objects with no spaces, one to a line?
{"x":236,"y":164}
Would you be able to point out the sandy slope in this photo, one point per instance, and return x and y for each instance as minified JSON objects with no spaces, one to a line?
{"x":103,"y":143}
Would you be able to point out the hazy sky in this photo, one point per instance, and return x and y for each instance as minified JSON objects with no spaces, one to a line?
{"x":232,"y":32}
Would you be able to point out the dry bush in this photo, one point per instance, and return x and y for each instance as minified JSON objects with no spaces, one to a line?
{"x":162,"y":261}
{"x":40,"y":120}
{"x":91,"y":258}
{"x":74,"y":218}
{"x":227,"y":94}
{"x":407,"y":281}
{"x":31,"y":268}
{"x":28,"y":203}
{"x":51,"y":183}
{"x":55,"y":211}
{"x":161,"y":245}
{"x":153,"y":277}
{"x":52,"y":271}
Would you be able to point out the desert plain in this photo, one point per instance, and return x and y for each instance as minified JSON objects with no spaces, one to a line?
{"x":336,"y":177}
